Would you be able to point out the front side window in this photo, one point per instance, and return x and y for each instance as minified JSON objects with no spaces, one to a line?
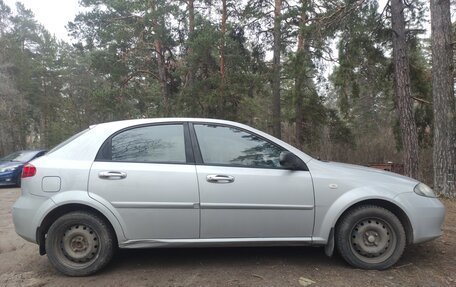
{"x":221,"y":145}
{"x":164,"y":144}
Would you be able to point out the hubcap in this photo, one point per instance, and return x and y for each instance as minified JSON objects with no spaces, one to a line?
{"x":79,"y":244}
{"x":372,"y":240}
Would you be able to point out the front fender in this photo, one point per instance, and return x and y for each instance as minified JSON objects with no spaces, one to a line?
{"x":83,"y":198}
{"x":326,"y":216}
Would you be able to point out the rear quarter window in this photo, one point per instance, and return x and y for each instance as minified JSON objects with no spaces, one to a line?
{"x":67,"y":141}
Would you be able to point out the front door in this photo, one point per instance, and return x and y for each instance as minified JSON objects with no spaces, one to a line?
{"x":244,"y":192}
{"x":144,"y":173}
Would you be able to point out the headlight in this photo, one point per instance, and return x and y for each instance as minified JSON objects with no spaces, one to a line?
{"x":9,"y":168}
{"x":424,"y":190}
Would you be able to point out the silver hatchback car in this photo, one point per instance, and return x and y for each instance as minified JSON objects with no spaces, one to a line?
{"x":202,"y":182}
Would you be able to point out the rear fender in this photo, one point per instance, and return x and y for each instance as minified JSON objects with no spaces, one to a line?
{"x":83,"y":198}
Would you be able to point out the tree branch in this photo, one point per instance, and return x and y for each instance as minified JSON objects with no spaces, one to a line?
{"x":421,"y":100}
{"x":136,"y":73}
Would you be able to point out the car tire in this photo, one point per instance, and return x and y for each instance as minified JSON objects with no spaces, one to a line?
{"x":370,"y":237}
{"x":80,"y":243}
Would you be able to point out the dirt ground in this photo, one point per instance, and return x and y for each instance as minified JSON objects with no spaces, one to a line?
{"x":428,"y":264}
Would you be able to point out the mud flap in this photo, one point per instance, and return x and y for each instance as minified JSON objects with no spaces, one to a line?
{"x":329,"y":247}
{"x":40,"y":239}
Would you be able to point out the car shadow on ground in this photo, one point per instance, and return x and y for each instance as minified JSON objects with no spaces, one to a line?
{"x":8,"y":187}
{"x":248,"y":257}
{"x":222,"y":257}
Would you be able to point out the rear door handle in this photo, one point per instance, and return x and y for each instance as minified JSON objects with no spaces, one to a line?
{"x":112,"y":175}
{"x":220,"y":178}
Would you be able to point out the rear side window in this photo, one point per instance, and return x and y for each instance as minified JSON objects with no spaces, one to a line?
{"x":160,"y":144}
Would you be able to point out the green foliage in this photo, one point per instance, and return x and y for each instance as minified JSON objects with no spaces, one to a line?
{"x":362,"y":79}
{"x":137,"y":59}
{"x":339,"y":131}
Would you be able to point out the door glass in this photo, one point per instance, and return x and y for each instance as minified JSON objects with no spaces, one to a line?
{"x":163,"y":144}
{"x":221,"y":145}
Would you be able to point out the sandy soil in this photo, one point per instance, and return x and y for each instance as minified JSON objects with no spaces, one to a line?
{"x":428,"y":264}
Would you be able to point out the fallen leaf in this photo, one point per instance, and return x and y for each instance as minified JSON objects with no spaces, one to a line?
{"x":305,"y":281}
{"x":258,"y":276}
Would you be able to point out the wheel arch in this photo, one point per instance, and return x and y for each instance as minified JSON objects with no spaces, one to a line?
{"x":394,"y":208}
{"x":329,"y":211}
{"x":62,"y":209}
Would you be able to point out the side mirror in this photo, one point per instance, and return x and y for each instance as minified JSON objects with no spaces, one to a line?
{"x":290,"y":161}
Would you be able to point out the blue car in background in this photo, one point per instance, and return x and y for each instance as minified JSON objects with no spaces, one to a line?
{"x":12,"y":164}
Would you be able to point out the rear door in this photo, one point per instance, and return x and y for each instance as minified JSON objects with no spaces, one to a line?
{"x":244,"y":191}
{"x":147,"y":173}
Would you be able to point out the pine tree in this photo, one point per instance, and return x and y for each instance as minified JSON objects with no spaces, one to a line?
{"x":402,"y":90}
{"x":444,"y":155}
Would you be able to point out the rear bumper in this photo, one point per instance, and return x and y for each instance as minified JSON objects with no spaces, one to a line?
{"x":27,"y":216}
{"x":425,"y":214}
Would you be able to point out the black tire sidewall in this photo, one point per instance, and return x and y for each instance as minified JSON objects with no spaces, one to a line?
{"x":345,"y":226}
{"x":18,"y":181}
{"x":97,"y":224}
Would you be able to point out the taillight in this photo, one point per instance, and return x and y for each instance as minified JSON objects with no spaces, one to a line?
{"x":28,"y":170}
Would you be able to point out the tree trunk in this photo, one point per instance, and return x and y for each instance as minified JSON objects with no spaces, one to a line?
{"x":299,"y":79}
{"x":444,"y":150}
{"x":44,"y":141}
{"x":222,"y":44}
{"x":404,"y":101}
{"x":162,"y":75}
{"x":221,"y":111}
{"x":191,"y":30}
{"x":191,"y":17}
{"x":160,"y":59}
{"x":276,"y":120}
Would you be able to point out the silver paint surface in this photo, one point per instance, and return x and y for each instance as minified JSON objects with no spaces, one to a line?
{"x":165,"y":205}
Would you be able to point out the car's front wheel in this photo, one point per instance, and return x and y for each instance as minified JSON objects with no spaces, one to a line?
{"x":370,"y":237}
{"x":18,"y":181}
{"x":80,"y":243}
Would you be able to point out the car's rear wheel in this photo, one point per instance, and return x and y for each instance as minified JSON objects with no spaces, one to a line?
{"x":370,"y":237}
{"x":80,"y":243}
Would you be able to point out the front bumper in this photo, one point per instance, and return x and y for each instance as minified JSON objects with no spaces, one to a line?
{"x":8,"y":178}
{"x":27,"y":214}
{"x":425,"y":214}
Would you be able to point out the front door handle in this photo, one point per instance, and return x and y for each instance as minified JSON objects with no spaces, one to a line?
{"x":112,"y":175}
{"x":220,"y":178}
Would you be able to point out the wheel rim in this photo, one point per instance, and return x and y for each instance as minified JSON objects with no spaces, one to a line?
{"x":80,"y":245}
{"x":373,"y":240}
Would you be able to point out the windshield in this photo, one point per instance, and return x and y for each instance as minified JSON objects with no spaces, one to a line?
{"x":21,"y":156}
